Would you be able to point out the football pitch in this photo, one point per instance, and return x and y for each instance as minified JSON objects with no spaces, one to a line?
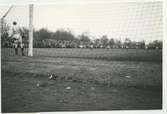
{"x":86,"y":79}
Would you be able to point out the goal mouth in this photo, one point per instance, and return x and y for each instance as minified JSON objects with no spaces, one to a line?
{"x":17,"y":29}
{"x":126,"y":26}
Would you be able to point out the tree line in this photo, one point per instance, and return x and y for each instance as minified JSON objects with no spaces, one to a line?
{"x":44,"y":38}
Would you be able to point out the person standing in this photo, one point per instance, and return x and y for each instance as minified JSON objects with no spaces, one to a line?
{"x":17,"y":38}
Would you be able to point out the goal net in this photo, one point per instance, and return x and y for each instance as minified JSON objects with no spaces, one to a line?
{"x":15,"y":30}
{"x":134,"y":25}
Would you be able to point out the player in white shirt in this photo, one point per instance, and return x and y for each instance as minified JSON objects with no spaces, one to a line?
{"x":16,"y":35}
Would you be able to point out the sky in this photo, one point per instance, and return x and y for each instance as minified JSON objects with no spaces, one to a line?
{"x":120,"y":20}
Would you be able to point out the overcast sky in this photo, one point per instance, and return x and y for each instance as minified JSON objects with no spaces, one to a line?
{"x":134,"y":20}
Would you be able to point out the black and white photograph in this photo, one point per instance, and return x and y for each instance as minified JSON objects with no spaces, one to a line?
{"x":95,"y":55}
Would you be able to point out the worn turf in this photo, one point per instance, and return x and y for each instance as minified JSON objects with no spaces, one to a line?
{"x":95,"y":84}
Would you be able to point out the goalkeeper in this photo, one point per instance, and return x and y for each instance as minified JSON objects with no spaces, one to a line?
{"x":17,"y":38}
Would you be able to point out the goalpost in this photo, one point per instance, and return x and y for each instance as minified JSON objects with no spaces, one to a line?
{"x":2,"y":20}
{"x":30,"y":46}
{"x":30,"y":34}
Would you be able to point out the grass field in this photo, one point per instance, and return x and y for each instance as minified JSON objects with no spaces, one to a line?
{"x":99,"y":79}
{"x":105,"y":54}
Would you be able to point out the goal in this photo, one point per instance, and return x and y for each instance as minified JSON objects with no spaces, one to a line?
{"x":23,"y":23}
